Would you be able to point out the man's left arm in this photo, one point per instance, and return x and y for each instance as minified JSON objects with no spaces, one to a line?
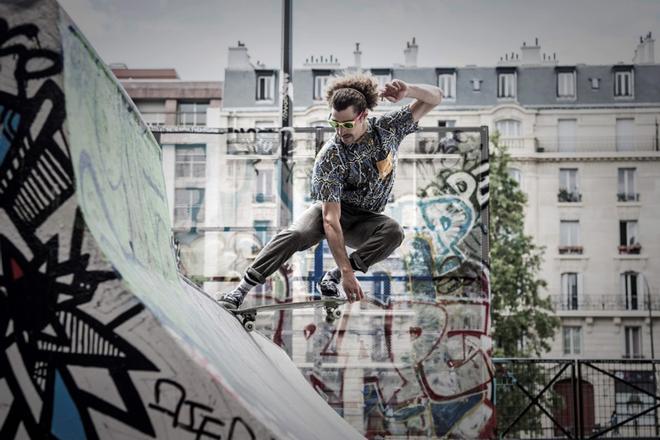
{"x":426,"y":96}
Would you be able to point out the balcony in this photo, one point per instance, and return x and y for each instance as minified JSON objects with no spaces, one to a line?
{"x":611,"y":302}
{"x":252,"y":142}
{"x":566,"y":196}
{"x":570,"y":250}
{"x":632,"y":249}
{"x":596,"y":144}
{"x":627,"y":197}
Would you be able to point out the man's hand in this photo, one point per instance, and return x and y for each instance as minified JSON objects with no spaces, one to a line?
{"x":351,"y":287}
{"x":394,"y":91}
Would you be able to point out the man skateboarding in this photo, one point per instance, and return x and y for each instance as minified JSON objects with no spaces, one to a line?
{"x":352,"y":180}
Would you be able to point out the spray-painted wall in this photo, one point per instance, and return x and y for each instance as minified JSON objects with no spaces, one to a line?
{"x":100,"y":337}
{"x":414,"y":358}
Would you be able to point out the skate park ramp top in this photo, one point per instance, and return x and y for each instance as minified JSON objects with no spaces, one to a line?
{"x":100,"y":336}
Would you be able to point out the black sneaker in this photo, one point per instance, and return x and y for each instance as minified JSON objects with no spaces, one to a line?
{"x":230,"y":301}
{"x":329,"y":286}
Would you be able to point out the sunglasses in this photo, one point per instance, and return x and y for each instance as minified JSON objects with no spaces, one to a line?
{"x":346,"y":124}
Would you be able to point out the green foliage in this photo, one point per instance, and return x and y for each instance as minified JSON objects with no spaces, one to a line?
{"x":523,"y":323}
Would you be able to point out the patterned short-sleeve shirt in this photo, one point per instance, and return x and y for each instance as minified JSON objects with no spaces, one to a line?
{"x":362,"y":174}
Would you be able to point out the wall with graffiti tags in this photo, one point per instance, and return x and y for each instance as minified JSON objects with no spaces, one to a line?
{"x":100,"y":337}
{"x":414,"y":358}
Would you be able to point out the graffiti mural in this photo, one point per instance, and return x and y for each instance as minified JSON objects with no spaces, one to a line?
{"x":101,"y":337}
{"x":419,"y":345}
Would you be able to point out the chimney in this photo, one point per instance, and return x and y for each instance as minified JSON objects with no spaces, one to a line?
{"x":358,"y":57}
{"x":531,"y":54}
{"x":238,"y":58}
{"x":410,"y":54}
{"x":645,"y":52}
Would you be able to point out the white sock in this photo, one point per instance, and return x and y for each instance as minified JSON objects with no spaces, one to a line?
{"x":246,"y":284}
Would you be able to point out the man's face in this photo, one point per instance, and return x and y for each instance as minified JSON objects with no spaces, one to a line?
{"x":349,"y":135}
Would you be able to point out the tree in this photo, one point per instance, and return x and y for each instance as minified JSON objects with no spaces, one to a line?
{"x":523,"y":322}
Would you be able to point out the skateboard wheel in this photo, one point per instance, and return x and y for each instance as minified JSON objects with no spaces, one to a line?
{"x":336,"y":313}
{"x":248,"y":325}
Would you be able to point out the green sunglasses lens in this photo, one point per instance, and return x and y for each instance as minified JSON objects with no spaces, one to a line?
{"x":335,"y":124}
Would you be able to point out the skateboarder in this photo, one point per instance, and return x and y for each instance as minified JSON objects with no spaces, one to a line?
{"x":352,"y":180}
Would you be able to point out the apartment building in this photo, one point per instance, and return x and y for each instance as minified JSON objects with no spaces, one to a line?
{"x":585,"y":146}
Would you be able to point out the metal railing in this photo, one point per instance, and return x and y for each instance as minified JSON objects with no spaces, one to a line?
{"x":609,"y":302}
{"x":576,"y":399}
{"x":596,"y":144}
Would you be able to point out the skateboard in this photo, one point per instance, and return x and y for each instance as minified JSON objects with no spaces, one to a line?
{"x":248,"y":315}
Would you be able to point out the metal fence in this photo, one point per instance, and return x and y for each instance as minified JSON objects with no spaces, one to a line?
{"x":576,"y":399}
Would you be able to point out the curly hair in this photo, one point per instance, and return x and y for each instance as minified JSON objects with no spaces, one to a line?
{"x":358,"y":90}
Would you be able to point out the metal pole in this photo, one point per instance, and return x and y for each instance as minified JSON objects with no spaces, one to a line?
{"x":286,"y":138}
{"x":655,"y":380}
{"x":286,"y":100}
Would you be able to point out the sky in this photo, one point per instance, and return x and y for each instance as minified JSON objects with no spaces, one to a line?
{"x":192,"y":36}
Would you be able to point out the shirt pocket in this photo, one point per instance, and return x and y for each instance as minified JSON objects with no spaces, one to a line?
{"x":385,"y":166}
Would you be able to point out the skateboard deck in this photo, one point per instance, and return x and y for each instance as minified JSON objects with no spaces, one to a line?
{"x":248,"y":315}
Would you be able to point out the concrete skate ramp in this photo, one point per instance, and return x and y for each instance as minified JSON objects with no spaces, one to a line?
{"x":100,"y":337}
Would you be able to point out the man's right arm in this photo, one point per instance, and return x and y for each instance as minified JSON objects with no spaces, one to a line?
{"x":335,"y":237}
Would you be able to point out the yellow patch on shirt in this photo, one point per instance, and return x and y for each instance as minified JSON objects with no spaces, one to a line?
{"x":385,"y":166}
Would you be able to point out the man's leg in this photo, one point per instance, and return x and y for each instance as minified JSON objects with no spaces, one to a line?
{"x":304,"y":233}
{"x":374,"y":236}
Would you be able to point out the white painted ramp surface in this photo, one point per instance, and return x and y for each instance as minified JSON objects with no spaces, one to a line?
{"x":101,"y":338}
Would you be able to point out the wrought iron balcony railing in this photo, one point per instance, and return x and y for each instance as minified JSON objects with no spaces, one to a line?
{"x":608,"y":302}
{"x":567,"y":196}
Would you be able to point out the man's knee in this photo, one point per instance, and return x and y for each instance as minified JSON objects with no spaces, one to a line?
{"x":394,"y":232}
{"x":303,"y":239}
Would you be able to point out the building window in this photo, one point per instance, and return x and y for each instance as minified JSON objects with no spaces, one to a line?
{"x":572,"y":340}
{"x":633,"y":335}
{"x":595,"y":83}
{"x":567,"y":135}
{"x":630,"y":288}
{"x":262,"y":230}
{"x":153,"y":112}
{"x":192,"y":113}
{"x":383,"y":77}
{"x":628,"y":232}
{"x":568,"y":185}
{"x":623,"y":84}
{"x":381,"y":287}
{"x":626,"y":189}
{"x":447,"y":82}
{"x":264,"y":186}
{"x":188,"y":206}
{"x":508,"y":128}
{"x":566,"y":84}
{"x":320,"y":82}
{"x":570,"y":291}
{"x":624,"y":134}
{"x":506,"y":85}
{"x":476,"y":85}
{"x":515,"y":174}
{"x":265,"y":87}
{"x":190,"y":161}
{"x":569,"y":237}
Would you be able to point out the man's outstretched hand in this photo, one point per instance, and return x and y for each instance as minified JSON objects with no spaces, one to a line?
{"x":352,"y":287}
{"x":394,"y":91}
